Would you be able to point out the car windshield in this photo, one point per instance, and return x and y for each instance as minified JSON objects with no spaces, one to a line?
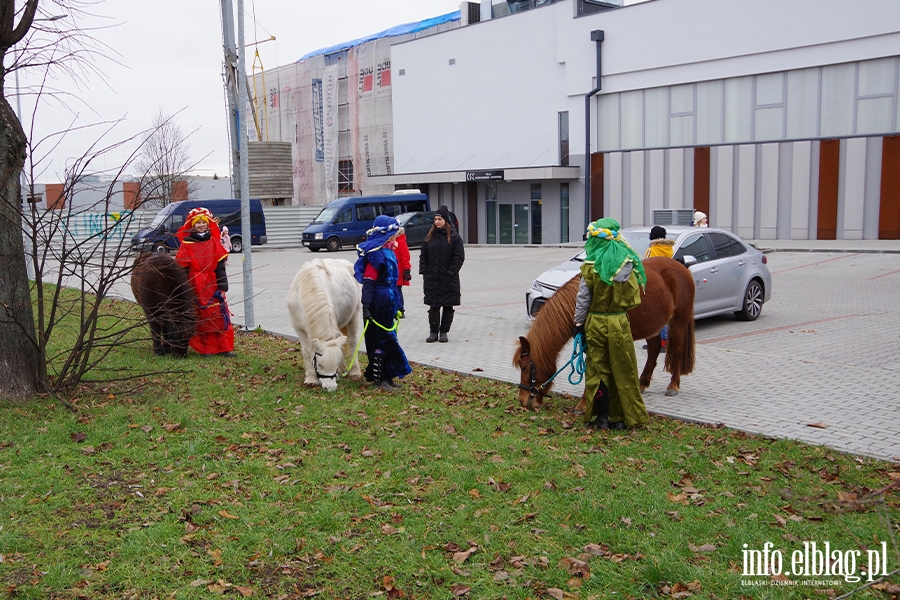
{"x":402,"y":219}
{"x":327,"y":215}
{"x":161,"y":216}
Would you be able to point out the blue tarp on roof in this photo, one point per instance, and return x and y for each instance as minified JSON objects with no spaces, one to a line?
{"x":393,"y":31}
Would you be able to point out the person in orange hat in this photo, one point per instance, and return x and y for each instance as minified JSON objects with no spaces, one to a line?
{"x":201,"y":253}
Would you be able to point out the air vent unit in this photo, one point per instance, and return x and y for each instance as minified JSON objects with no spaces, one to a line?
{"x":673,"y":216}
{"x":469,"y":12}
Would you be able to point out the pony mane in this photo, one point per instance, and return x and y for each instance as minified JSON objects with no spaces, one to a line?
{"x":315,"y":284}
{"x":552,"y":328}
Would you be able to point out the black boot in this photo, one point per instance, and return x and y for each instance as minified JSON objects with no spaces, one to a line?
{"x":446,"y":319}
{"x":434,"y":323}
{"x":600,"y":408}
{"x":375,"y":370}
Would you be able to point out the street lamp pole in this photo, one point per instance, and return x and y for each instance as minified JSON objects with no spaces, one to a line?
{"x":596,"y":36}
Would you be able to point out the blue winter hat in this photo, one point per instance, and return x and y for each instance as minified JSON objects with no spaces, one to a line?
{"x":382,"y":229}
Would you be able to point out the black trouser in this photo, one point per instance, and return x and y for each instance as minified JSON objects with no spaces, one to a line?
{"x":439,"y":322}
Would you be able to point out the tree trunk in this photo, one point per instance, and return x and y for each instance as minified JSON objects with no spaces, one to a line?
{"x":19,"y":358}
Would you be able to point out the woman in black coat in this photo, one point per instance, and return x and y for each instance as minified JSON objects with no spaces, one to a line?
{"x":441,"y":258}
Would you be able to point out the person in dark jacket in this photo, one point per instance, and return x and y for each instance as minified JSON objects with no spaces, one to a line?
{"x":440,"y":260}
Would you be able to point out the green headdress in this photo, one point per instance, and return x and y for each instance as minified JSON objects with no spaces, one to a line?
{"x":609,"y":251}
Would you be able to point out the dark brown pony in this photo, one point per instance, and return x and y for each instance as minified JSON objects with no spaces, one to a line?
{"x":162,"y":289}
{"x":668,"y":298}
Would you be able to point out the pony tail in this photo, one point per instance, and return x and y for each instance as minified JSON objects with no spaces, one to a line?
{"x":687,"y":355}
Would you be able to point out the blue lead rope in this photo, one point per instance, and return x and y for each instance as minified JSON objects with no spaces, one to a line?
{"x":576,"y":375}
{"x":579,"y":349}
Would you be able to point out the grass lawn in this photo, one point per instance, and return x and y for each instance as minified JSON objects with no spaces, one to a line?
{"x":230,"y":478}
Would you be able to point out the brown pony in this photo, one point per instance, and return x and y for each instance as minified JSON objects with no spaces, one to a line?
{"x":161,"y":288}
{"x":668,"y":298}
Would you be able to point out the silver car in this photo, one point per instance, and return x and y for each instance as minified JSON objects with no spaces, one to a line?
{"x":730,"y":275}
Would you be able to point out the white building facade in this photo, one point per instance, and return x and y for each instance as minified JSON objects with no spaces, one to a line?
{"x":779,"y":118}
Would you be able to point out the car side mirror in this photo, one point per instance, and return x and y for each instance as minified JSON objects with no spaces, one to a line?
{"x":689,"y":260}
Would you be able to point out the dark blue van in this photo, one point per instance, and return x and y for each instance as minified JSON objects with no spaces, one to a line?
{"x":160,"y":236}
{"x":343,"y":222}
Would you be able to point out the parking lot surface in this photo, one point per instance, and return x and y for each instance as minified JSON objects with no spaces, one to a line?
{"x":821,"y":364}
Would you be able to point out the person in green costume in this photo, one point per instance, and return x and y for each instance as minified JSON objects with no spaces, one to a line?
{"x":611,"y":278}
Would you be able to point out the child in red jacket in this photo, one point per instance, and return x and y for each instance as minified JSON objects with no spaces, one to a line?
{"x":404,"y":266}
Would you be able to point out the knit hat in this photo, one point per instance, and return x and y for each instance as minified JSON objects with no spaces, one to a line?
{"x":382,"y":229}
{"x":199,"y":214}
{"x":699,"y":215}
{"x":444,"y":212}
{"x":657,"y":232}
{"x":609,"y":251}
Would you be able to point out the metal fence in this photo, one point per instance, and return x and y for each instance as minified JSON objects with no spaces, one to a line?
{"x":284,"y":227}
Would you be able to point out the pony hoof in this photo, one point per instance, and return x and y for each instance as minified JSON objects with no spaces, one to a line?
{"x":671,"y":392}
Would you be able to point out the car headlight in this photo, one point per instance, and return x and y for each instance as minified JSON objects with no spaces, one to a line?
{"x":319,"y":236}
{"x":536,"y":286}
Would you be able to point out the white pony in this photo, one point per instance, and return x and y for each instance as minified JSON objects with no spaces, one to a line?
{"x":325,"y":304}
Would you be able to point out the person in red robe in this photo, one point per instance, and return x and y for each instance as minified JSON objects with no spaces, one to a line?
{"x":201,"y":253}
{"x":401,"y":250}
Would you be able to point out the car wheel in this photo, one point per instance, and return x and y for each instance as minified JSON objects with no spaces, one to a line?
{"x":237,"y":245}
{"x":333,"y":244}
{"x":753,"y":301}
{"x":161,"y":248}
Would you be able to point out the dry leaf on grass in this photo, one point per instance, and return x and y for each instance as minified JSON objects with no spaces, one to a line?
{"x":679,"y":498}
{"x":461,"y":557}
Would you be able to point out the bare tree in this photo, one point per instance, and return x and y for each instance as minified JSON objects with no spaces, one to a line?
{"x":165,"y":163}
{"x":18,"y":347}
{"x":60,"y":327}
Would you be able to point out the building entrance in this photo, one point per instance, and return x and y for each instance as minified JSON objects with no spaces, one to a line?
{"x":513,"y":221}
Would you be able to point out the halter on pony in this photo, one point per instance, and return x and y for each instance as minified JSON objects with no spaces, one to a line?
{"x":576,"y":361}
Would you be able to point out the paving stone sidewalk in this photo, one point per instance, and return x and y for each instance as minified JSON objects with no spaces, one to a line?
{"x":821,"y":365}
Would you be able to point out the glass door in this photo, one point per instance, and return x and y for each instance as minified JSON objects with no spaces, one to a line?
{"x":521,"y":224}
{"x":506,"y":223}
{"x":513,"y":221}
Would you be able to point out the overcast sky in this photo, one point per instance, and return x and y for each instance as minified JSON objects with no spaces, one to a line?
{"x":171,"y":59}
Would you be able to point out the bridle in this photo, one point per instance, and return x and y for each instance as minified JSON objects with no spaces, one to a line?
{"x":534,"y":390}
{"x":316,"y":368}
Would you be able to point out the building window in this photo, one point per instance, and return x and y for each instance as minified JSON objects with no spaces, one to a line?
{"x":345,"y":177}
{"x":769,"y":113}
{"x":563,"y":212}
{"x":536,"y":217}
{"x":490,"y":194}
{"x":564,"y":139}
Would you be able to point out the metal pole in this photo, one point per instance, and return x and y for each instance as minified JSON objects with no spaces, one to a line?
{"x":596,"y":36}
{"x":246,"y":237}
{"x":29,"y":259}
{"x":231,"y":89}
